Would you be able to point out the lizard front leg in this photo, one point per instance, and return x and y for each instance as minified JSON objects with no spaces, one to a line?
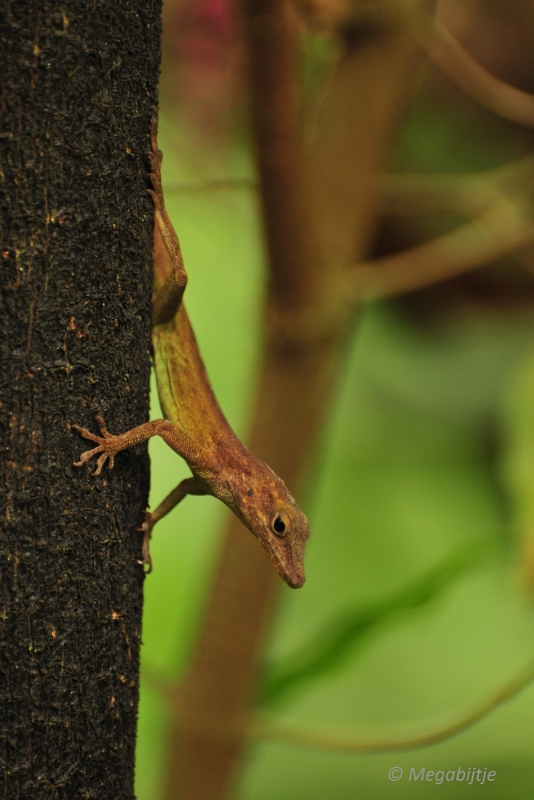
{"x":170,"y":276}
{"x":109,"y":445}
{"x":185,"y":487}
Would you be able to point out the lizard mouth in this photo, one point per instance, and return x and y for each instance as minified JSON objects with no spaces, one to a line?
{"x":293,"y":574}
{"x":295,"y":581}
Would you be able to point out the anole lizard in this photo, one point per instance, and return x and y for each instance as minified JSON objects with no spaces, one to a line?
{"x":194,"y":425}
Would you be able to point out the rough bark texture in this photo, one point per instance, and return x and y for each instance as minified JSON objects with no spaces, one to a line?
{"x":77,"y":82}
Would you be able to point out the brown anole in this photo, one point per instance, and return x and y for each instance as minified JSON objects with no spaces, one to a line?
{"x":194,"y":425}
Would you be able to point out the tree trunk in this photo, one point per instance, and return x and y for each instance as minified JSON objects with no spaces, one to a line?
{"x":77,"y":82}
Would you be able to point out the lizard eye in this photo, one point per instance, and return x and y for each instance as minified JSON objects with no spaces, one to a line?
{"x":280,"y":523}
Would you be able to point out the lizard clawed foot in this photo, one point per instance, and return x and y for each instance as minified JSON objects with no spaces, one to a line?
{"x":146,"y":527}
{"x":107,"y":445}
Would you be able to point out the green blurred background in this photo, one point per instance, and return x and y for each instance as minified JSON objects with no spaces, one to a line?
{"x":414,"y":610}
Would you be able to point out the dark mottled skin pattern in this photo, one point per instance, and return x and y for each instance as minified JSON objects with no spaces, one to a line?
{"x":194,"y":425}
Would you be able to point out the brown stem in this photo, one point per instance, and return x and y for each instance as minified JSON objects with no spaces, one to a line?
{"x":354,"y":131}
{"x":349,"y":741}
{"x":214,"y":185}
{"x":497,"y":95}
{"x":502,"y":230}
{"x":301,"y":358}
{"x":294,"y":251}
{"x":405,"y":193}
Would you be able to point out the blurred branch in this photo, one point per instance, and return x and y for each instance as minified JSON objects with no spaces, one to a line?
{"x":215,"y":185}
{"x":358,"y":118}
{"x":500,"y":231}
{"x":497,"y":95}
{"x":348,"y":741}
{"x":295,"y":258}
{"x":406,"y":193}
{"x":207,"y":736}
{"x":497,"y":196}
{"x":317,"y":213}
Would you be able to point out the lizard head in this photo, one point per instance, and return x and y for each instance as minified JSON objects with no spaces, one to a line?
{"x":264,"y":504}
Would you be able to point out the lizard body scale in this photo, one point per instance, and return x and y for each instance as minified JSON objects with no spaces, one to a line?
{"x":194,"y":425}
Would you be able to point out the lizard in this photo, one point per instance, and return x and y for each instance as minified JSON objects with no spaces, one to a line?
{"x":194,"y":425}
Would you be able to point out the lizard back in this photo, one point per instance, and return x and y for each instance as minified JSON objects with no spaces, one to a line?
{"x":185,"y":392}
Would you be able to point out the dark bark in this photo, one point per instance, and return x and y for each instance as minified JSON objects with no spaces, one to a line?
{"x":77,"y":82}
